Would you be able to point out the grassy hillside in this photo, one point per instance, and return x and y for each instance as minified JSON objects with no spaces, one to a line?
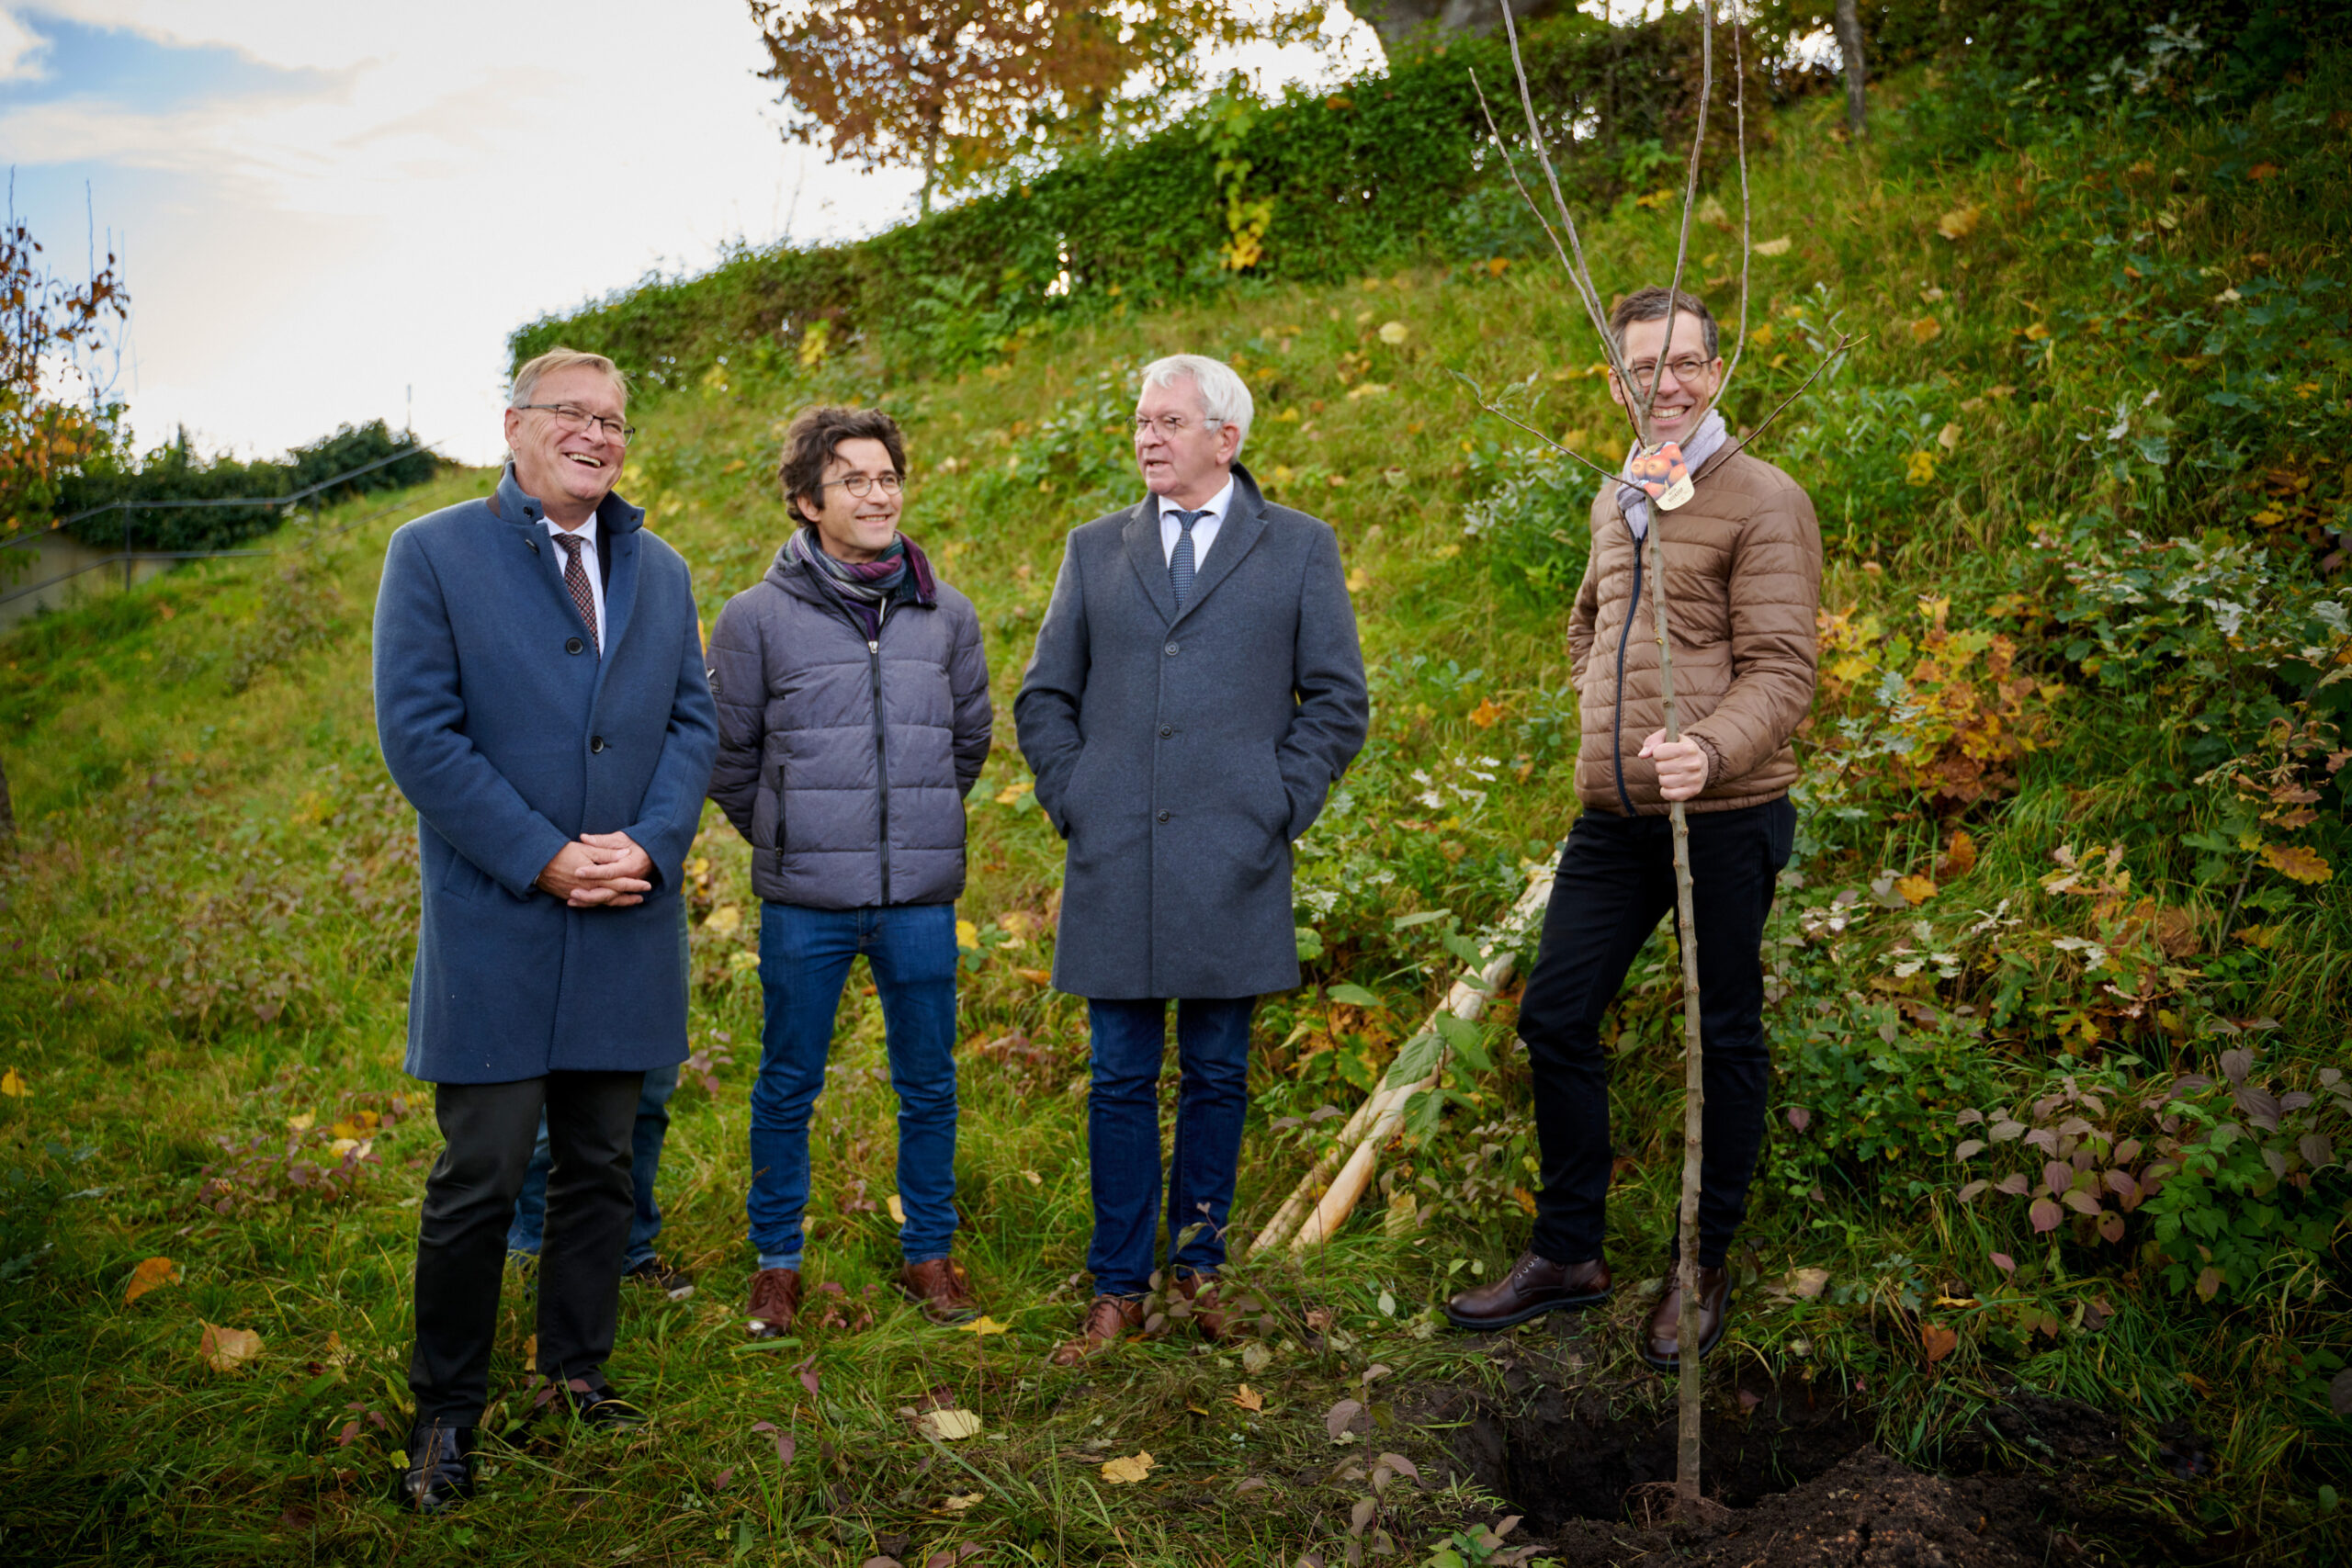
{"x":2073,"y":825}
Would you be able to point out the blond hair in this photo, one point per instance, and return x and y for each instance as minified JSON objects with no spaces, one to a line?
{"x":528,"y":375}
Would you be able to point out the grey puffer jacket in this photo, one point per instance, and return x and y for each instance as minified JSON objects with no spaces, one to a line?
{"x":845,"y":762}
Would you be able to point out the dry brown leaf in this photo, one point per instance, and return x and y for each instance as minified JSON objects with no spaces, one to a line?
{"x":1959,"y":858}
{"x":1036,"y":976}
{"x":950,"y":1425}
{"x":1806,"y":1284}
{"x":1927,"y":329}
{"x":226,"y":1349}
{"x":1937,"y":1342}
{"x":151,"y":1275}
{"x":1336,"y":1420}
{"x":2297,"y":862}
{"x":1249,"y":1398}
{"x":1120,"y":1471}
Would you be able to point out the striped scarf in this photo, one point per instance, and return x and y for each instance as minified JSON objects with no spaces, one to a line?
{"x":900,"y":575}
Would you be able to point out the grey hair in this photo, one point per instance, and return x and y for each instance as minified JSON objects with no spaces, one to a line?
{"x":528,"y":375}
{"x":1225,"y":396}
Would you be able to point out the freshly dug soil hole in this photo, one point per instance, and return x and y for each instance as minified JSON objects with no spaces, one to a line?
{"x":1866,"y":1511}
{"x":1560,"y":1462}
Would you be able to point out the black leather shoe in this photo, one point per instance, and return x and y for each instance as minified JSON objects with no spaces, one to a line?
{"x":602,"y":1408}
{"x":1534,"y":1286}
{"x":1661,"y":1342}
{"x":440,"y":1471}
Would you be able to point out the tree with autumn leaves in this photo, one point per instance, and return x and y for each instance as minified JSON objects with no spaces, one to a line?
{"x":49,"y":329}
{"x":960,"y":88}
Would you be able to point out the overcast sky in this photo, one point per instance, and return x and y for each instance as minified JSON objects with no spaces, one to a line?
{"x":324,"y":211}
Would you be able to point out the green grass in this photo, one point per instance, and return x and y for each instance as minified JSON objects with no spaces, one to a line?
{"x":208,"y":932}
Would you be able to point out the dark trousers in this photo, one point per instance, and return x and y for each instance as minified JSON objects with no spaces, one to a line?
{"x":1123,"y":1136}
{"x":645,"y":1164}
{"x":487,"y":1132}
{"x":1616,"y":878}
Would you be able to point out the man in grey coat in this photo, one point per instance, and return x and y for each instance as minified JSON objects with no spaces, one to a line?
{"x":853,"y":719}
{"x":541,"y":701}
{"x":1196,"y":690}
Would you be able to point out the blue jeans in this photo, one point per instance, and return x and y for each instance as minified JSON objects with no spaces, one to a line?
{"x":804,"y":958}
{"x":644,"y":1140}
{"x":1123,"y":1136}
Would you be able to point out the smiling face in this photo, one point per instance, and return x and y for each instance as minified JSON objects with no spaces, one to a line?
{"x":568,"y":471}
{"x":857,"y":527}
{"x":1684,"y":394}
{"x":1188,"y":465}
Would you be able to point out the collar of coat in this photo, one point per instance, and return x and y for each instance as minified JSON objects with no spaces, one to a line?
{"x":510,"y":502}
{"x":1245,"y":520}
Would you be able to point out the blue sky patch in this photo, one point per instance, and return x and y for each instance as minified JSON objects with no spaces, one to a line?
{"x":118,"y":65}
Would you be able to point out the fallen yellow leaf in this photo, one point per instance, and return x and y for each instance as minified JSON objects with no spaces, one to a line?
{"x":1960,"y":222}
{"x":1393,"y":332}
{"x":1915,"y":889}
{"x":12,"y":1084}
{"x":151,"y":1275}
{"x":959,"y":1501}
{"x":1119,"y":1471}
{"x":1034,"y":1179}
{"x":949,"y":1425}
{"x":1778,"y":247}
{"x":984,"y":1323}
{"x":226,"y":1349}
{"x":1249,"y":1398}
{"x":1927,"y":329}
{"x":1485,"y":714}
{"x":723,"y":920}
{"x":1036,"y":976}
{"x":968,"y":935}
{"x":301,"y":1123}
{"x":897,"y":1209}
{"x":2295,"y":859}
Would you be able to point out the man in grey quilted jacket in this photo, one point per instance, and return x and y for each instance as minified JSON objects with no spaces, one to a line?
{"x":853,"y":718}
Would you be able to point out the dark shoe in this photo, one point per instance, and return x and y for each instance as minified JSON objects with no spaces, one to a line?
{"x":1109,"y":1319}
{"x":602,"y":1408}
{"x":440,"y":1467}
{"x":941,"y":1289}
{"x":1210,"y":1316}
{"x":674,"y":1283}
{"x":1661,"y":1341}
{"x":775,"y":1301}
{"x":1534,"y":1286}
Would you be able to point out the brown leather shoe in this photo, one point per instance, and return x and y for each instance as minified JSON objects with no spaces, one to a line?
{"x":1534,"y":1286}
{"x":1661,"y":1341}
{"x":775,"y":1301}
{"x":1109,"y":1319}
{"x":1210,"y":1316}
{"x":940,"y":1288}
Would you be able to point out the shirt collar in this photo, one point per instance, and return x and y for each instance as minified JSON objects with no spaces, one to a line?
{"x":1214,"y":512}
{"x":586,"y":532}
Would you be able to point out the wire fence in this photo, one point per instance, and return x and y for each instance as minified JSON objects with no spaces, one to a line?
{"x":129,"y":558}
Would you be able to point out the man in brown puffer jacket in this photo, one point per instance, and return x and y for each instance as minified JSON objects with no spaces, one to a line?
{"x":1743,"y":568}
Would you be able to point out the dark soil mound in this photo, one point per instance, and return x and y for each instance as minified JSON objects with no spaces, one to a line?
{"x":1867,"y":1511}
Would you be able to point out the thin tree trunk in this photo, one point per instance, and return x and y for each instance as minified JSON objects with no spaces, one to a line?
{"x":1849,"y":45}
{"x":930,"y":171}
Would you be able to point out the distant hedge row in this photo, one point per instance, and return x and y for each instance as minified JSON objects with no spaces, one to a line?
{"x":178,"y":472}
{"x":1396,"y":166}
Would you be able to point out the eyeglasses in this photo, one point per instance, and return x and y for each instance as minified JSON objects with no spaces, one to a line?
{"x":1686,"y":369}
{"x":571,"y":420}
{"x":1171,"y":425}
{"x":862,"y":485}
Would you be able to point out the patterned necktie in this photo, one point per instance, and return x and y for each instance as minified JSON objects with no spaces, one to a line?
{"x":575,"y":577}
{"x":1180,"y":565}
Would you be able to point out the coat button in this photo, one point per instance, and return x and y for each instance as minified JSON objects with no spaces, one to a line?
{"x":1172,"y":650}
{"x":595,"y":743}
{"x":1166,"y":730}
{"x":1164,"y":816}
{"x":573,"y":645}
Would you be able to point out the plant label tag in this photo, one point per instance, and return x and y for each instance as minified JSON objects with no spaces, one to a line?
{"x":1663,"y":476}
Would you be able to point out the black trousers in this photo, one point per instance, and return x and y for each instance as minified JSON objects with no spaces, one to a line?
{"x":1616,"y":878}
{"x":489,"y":1131}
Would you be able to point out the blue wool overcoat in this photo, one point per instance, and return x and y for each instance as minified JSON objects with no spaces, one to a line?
{"x":511,"y":736}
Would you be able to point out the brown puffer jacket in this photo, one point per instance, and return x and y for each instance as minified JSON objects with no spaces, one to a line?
{"x":1742,"y":567}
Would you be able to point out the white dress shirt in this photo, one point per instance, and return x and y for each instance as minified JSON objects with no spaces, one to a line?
{"x":1203,"y":531}
{"x":586,"y":533}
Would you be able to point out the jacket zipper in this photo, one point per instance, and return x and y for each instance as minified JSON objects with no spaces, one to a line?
{"x":1617,"y":712}
{"x":881,"y":763}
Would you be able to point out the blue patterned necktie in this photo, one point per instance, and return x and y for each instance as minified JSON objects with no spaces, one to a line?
{"x":1179,"y":564}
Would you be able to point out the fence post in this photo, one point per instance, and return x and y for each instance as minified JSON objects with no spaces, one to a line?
{"x":126,"y":547}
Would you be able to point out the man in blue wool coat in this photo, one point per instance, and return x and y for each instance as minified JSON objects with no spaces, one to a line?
{"x":542,"y":701}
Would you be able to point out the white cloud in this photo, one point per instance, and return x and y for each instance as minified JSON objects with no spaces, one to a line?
{"x":303,"y":250}
{"x":20,"y":50}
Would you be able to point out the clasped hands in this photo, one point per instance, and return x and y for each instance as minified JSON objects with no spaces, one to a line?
{"x":599,"y":870}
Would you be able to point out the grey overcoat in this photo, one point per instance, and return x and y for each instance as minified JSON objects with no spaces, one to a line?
{"x":1180,"y":755}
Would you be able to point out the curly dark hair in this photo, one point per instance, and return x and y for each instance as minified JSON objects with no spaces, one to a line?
{"x":814,"y":438}
{"x":1650,"y":305}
